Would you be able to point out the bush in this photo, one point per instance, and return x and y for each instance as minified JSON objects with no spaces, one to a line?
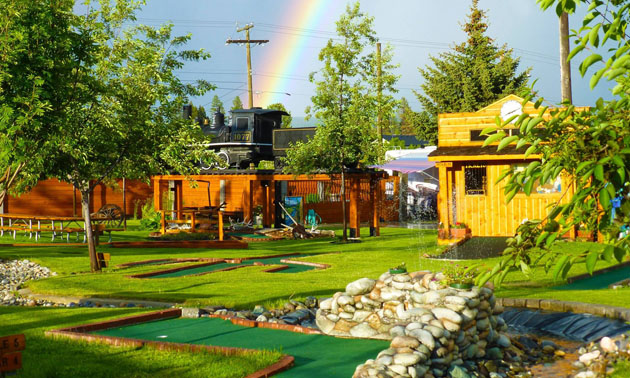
{"x":150,"y":218}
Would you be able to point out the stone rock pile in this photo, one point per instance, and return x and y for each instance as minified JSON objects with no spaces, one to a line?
{"x":597,"y":358}
{"x":13,"y":274}
{"x":434,"y":329}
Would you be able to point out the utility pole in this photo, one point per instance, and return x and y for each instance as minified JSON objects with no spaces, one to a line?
{"x":565,"y":66}
{"x":247,"y":43}
{"x":379,"y":115}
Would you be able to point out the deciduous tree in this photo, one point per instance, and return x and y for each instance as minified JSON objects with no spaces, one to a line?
{"x":591,"y":147}
{"x":344,"y":104}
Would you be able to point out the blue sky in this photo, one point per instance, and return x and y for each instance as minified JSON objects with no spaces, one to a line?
{"x":415,"y":28}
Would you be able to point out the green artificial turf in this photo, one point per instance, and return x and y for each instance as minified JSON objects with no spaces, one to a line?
{"x":598,"y":281}
{"x":47,"y":357}
{"x":293,"y":268}
{"x":315,"y":355}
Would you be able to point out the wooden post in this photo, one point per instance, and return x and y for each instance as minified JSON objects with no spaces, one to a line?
{"x":443,"y":194}
{"x":157,"y":194}
{"x":248,"y":200}
{"x":179,"y":200}
{"x":355,"y":220}
{"x":266,"y":210}
{"x":163,"y":222}
{"x":221,"y":225}
{"x":375,"y":196}
{"x":124,"y":183}
{"x":192,"y":222}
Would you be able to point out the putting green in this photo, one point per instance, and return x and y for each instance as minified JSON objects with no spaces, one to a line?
{"x":598,"y":281}
{"x":293,"y":268}
{"x":315,"y":355}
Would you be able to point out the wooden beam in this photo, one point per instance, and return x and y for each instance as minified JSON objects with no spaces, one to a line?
{"x":442,"y":198}
{"x":355,"y":216}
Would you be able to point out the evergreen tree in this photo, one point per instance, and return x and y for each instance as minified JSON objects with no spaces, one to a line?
{"x":408,"y":119}
{"x":237,"y":103}
{"x":217,"y":105}
{"x":476,"y":73}
{"x":286,"y":120}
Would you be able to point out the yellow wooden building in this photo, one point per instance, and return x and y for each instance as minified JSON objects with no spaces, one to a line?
{"x":468,"y":172}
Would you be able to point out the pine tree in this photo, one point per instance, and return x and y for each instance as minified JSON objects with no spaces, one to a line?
{"x":217,"y":105}
{"x":476,"y":73}
{"x":237,"y":103}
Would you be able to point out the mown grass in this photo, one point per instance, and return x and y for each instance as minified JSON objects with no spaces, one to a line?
{"x":246,"y":287}
{"x":46,"y":357}
{"x":241,"y":288}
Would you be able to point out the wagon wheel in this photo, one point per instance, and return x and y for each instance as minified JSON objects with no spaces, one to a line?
{"x":111,"y":215}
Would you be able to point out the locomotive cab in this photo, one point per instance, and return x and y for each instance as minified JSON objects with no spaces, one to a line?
{"x":248,"y":139}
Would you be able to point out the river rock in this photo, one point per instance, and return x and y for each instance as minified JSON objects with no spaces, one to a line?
{"x":360,"y":286}
{"x":362,"y":330}
{"x":405,"y":342}
{"x":406,"y":359}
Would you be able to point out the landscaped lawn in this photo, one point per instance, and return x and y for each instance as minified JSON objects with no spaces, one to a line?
{"x":246,"y":287}
{"x":46,"y":357}
{"x":241,"y":288}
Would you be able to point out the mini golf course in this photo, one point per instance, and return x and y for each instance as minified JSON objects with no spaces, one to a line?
{"x":315,"y":355}
{"x":282,"y":264}
{"x":600,"y":279}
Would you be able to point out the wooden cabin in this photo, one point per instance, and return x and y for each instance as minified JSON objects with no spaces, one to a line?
{"x":468,"y":172}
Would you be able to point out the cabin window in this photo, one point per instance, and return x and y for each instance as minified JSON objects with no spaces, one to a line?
{"x":549,"y":187}
{"x":242,"y":124}
{"x":475,"y":177}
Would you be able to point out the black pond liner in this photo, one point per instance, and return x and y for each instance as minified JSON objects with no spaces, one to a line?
{"x":565,"y":325}
{"x":479,"y":247}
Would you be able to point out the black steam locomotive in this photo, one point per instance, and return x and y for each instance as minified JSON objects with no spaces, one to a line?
{"x":254,"y":135}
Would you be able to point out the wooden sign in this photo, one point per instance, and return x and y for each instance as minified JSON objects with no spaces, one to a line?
{"x":446,"y":164}
{"x":12,"y":343}
{"x":10,"y":355}
{"x":11,"y":361}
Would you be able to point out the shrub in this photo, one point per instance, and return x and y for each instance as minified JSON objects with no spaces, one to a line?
{"x":150,"y":218}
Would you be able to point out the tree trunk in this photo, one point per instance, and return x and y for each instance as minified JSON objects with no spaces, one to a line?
{"x":343,"y":204}
{"x":89,"y":235}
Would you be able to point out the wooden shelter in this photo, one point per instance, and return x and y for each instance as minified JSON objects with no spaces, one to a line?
{"x":467,"y":173}
{"x":244,"y":190}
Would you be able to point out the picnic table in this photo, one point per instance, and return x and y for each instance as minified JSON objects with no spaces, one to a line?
{"x":57,"y":225}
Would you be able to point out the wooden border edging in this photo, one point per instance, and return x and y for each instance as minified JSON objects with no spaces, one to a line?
{"x":612,"y":312}
{"x":80,"y":333}
{"x":257,"y":324}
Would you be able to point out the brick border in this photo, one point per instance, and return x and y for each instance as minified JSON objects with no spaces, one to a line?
{"x":612,"y":312}
{"x":80,"y":333}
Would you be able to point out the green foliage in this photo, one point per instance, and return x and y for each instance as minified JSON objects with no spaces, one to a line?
{"x":217,"y":105}
{"x":409,"y":121}
{"x":286,"y":120}
{"x":237,"y":103}
{"x":39,"y":47}
{"x":589,"y":147}
{"x":91,"y":97}
{"x":151,"y":219}
{"x":345,"y":103}
{"x":476,"y":73}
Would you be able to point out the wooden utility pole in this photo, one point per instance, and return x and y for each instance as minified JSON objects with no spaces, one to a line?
{"x":247,"y":43}
{"x":379,"y":84}
{"x":565,"y":66}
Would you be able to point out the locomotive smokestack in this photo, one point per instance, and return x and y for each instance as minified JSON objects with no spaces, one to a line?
{"x":218,"y":119}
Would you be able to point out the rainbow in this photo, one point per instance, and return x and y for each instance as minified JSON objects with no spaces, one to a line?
{"x":284,"y":55}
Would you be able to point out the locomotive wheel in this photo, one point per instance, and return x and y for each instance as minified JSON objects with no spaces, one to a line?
{"x":222,"y":155}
